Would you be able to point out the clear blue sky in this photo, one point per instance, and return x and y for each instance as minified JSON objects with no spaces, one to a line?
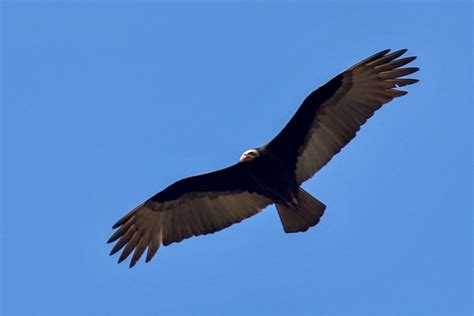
{"x":105,"y":103}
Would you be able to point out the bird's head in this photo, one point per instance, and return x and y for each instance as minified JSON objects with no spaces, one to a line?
{"x":250,"y":154}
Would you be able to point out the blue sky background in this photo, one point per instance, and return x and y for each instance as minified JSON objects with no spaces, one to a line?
{"x":105,"y":103}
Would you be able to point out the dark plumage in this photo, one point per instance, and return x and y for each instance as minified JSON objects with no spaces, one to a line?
{"x":326,"y":121}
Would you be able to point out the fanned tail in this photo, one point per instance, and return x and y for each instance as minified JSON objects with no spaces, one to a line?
{"x":302,"y":216}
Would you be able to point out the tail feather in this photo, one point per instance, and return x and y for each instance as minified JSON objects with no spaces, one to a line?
{"x":304,"y":215}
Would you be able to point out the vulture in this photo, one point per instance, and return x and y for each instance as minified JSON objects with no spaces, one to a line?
{"x":325,"y":122}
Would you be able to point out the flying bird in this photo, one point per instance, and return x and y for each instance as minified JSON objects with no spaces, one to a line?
{"x":272,"y":174}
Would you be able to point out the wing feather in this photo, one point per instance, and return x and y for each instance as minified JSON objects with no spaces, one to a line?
{"x":149,"y":227}
{"x":194,"y":206}
{"x":365,"y":88}
{"x":383,"y":60}
{"x":331,"y":115}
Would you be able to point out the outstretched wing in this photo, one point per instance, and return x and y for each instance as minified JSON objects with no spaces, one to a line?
{"x":331,"y":115}
{"x":193,"y":206}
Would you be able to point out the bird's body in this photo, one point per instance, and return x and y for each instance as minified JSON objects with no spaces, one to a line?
{"x":266,"y":176}
{"x":326,"y":121}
